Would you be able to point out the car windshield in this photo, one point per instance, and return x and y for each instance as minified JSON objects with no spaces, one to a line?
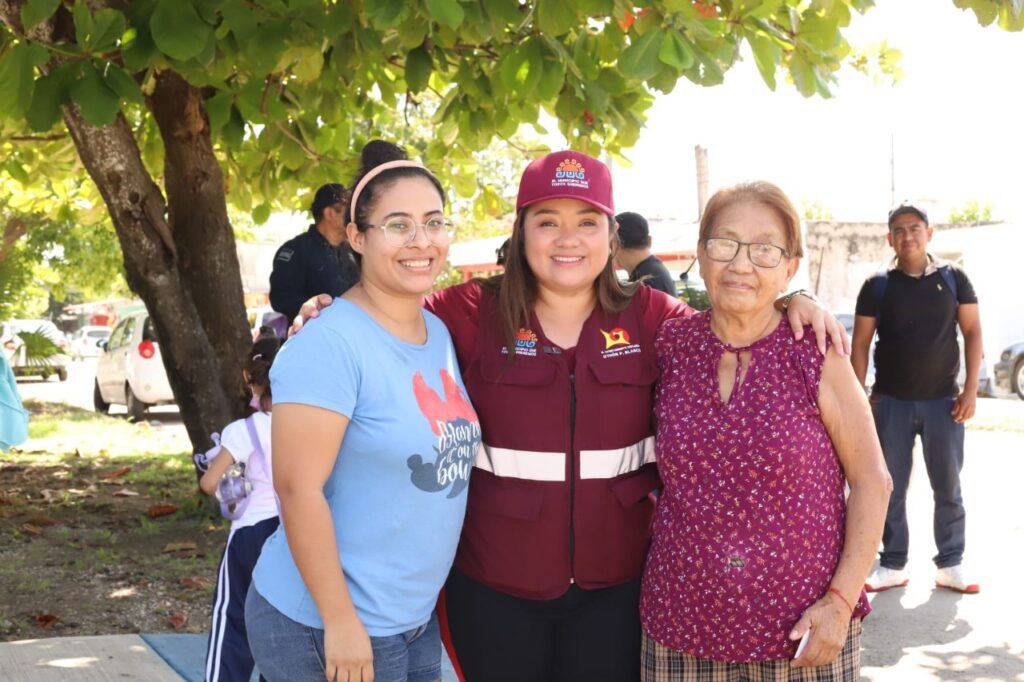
{"x":98,"y":334}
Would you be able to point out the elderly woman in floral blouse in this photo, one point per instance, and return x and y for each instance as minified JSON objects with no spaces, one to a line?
{"x":755,"y":544}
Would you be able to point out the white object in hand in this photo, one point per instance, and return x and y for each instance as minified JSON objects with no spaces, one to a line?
{"x":803,"y":643}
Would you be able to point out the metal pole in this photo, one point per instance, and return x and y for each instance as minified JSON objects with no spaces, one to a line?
{"x":892,"y":169}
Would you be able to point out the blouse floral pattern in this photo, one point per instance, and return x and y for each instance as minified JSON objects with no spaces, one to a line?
{"x":750,"y":525}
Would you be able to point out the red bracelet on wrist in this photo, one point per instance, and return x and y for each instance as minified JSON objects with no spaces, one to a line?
{"x":840,"y":595}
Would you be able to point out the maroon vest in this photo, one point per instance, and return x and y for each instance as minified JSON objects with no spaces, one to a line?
{"x":559,"y":492}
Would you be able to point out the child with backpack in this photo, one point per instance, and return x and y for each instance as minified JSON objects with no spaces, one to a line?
{"x":248,"y":500}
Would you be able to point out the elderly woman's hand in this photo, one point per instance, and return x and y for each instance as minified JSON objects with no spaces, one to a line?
{"x":308,"y":311}
{"x":802,"y":310}
{"x":829,"y":622}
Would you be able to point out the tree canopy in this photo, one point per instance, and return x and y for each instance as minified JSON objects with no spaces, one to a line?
{"x":177,"y":109}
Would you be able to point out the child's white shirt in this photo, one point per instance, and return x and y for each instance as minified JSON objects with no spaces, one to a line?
{"x":262,"y":500}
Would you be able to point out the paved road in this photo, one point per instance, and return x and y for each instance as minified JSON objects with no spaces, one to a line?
{"x":77,"y":391}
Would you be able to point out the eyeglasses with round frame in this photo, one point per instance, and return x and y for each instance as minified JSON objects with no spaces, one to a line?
{"x":402,"y":231}
{"x":761,"y":254}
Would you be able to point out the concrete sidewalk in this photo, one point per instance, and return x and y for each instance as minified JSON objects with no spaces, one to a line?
{"x":154,"y":658}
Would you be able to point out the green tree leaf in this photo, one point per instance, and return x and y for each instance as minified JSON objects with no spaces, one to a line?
{"x":108,"y":26}
{"x":123,"y":84}
{"x":447,"y":12}
{"x":83,"y":23}
{"x":99,"y":104}
{"x":522,"y":68}
{"x":503,"y":11}
{"x":556,"y":17}
{"x":767,"y":55}
{"x":37,"y":11}
{"x":139,"y":50}
{"x":676,"y":52}
{"x":177,"y":29}
{"x":218,"y":110}
{"x":639,"y":61}
{"x":261,"y":214}
{"x":418,"y":66}
{"x":50,"y":92}
{"x":385,"y":13}
{"x":17,"y":78}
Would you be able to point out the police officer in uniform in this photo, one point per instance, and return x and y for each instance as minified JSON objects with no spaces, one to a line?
{"x":316,"y":261}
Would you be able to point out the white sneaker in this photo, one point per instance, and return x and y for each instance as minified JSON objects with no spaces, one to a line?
{"x":886,"y":579}
{"x":953,"y":578}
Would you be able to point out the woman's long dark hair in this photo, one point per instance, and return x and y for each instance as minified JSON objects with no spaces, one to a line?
{"x":515,"y":290}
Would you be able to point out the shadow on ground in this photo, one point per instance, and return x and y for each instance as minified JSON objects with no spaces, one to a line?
{"x":891,"y":629}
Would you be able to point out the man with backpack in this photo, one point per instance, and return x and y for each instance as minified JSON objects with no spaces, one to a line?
{"x":916,"y":307}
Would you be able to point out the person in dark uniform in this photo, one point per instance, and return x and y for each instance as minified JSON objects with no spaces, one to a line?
{"x":635,"y":256}
{"x":316,"y":261}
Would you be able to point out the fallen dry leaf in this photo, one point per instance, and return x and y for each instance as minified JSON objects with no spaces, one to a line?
{"x":172,"y":547}
{"x":43,"y":520}
{"x":158,"y":510}
{"x":45,"y":620}
{"x":29,"y":529}
{"x":117,"y":473}
{"x":196,"y":582}
{"x":178,"y":620}
{"x":124,"y":492}
{"x":49,"y":495}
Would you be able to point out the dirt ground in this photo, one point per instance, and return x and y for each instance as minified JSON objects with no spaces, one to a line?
{"x":102,"y":530}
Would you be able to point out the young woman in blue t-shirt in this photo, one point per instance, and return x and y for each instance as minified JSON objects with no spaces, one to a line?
{"x":374,"y":439}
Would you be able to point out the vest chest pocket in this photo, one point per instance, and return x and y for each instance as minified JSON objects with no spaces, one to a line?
{"x":621,"y":406}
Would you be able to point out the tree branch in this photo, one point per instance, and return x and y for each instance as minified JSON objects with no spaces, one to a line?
{"x":37,"y":138}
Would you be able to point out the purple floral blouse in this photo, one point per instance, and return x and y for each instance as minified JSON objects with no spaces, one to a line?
{"x":750,"y":524}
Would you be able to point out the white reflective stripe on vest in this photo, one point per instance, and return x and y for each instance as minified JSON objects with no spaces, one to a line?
{"x":527,"y":464}
{"x":618,"y":461}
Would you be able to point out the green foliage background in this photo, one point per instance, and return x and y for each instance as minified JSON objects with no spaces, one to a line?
{"x":293,"y":88}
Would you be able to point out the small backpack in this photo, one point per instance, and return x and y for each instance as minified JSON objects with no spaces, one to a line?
{"x":234,"y":487}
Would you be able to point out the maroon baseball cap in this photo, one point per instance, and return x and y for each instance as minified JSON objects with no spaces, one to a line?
{"x":567,"y":175}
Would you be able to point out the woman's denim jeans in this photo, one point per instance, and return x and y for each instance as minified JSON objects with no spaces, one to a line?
{"x":292,"y":652}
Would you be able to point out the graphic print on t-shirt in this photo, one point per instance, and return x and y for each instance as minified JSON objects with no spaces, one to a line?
{"x":457,"y":427}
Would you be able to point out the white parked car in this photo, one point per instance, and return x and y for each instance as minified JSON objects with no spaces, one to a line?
{"x":130,"y":371}
{"x":85,"y":343}
{"x":17,"y":354}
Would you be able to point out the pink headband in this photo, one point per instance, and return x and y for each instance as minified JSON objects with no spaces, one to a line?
{"x":399,"y":163}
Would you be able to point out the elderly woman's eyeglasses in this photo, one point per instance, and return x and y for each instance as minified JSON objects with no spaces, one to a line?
{"x":402,"y":231}
{"x":761,"y":254}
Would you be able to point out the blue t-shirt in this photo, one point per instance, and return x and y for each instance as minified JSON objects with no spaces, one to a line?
{"x":397,"y":492}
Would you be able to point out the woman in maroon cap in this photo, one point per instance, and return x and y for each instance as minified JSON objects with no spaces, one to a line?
{"x":558,"y":358}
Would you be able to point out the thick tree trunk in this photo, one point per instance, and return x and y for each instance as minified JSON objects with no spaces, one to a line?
{"x":207,"y":259}
{"x":187,"y":271}
{"x":112,"y":158}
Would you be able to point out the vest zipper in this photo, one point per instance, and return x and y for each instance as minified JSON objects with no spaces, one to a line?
{"x":572,"y":476}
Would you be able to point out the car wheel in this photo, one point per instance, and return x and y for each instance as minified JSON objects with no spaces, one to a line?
{"x":62,"y":373}
{"x":97,"y":399}
{"x":136,"y":408}
{"x":1017,"y":378}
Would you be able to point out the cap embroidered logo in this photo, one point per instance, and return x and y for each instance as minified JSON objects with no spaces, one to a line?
{"x":570,"y":173}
